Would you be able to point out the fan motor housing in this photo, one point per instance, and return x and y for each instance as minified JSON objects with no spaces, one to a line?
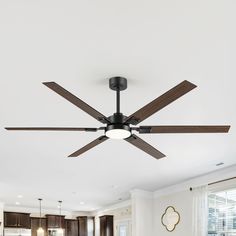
{"x":117,"y":126}
{"x":117,"y":118}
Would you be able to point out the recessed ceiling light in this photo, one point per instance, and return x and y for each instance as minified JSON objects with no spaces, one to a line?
{"x":220,"y":164}
{"x":114,"y":186}
{"x":20,"y":196}
{"x":82,"y":203}
{"x":17,"y":203}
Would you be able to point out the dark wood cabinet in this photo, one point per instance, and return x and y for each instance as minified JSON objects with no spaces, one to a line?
{"x":86,"y":225}
{"x":83,"y":226}
{"x":106,"y":225}
{"x":17,"y":220}
{"x":71,"y":228}
{"x":10,"y":219}
{"x":55,"y":221}
{"x":24,"y":221}
{"x":35,"y":224}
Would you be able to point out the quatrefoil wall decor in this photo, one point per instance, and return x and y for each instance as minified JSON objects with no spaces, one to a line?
{"x":170,"y":218}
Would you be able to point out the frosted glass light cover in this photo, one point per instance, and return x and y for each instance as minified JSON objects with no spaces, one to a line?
{"x":60,"y":232}
{"x":40,"y":231}
{"x":118,"y":133}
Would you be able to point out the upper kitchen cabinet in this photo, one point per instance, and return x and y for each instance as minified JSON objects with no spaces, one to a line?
{"x":17,"y":220}
{"x":83,"y":225}
{"x":55,"y":221}
{"x":71,"y":227}
{"x":106,"y":225}
{"x":24,"y":221}
{"x":86,"y":226}
{"x":10,"y":219}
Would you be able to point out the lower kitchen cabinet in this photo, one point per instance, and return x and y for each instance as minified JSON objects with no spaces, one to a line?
{"x":106,"y":225}
{"x":71,"y":228}
{"x":35,"y":224}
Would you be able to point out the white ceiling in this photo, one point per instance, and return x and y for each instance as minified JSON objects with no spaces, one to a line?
{"x":79,"y":44}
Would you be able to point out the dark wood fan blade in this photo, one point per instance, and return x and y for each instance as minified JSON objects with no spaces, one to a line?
{"x":183,"y":129}
{"x":51,"y":129}
{"x":160,"y":102}
{"x":89,"y":146}
{"x":77,"y":102}
{"x":144,"y":146}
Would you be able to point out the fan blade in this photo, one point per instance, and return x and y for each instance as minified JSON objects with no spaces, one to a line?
{"x":183,"y":129}
{"x":89,"y":146}
{"x":52,"y":129}
{"x":77,"y":102}
{"x":144,"y":146}
{"x":160,"y":102}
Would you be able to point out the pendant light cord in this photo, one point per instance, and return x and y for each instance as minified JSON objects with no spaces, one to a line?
{"x":60,"y":202}
{"x":40,"y":212}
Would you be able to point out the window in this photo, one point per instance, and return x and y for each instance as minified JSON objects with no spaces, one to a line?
{"x":123,"y":228}
{"x":222,"y":213}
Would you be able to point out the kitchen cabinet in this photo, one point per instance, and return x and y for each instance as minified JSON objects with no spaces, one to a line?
{"x":35,"y":224}
{"x":24,"y":221}
{"x":71,"y":228}
{"x":86,"y":225}
{"x":83,"y":226}
{"x":17,"y":220}
{"x":106,"y":225}
{"x":55,"y":221}
{"x":10,"y":219}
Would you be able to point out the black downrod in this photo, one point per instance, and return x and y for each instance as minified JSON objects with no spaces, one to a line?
{"x":118,"y":84}
{"x":118,"y":100}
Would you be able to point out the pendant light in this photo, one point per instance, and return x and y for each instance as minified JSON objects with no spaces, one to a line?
{"x":40,"y":230}
{"x":60,"y":230}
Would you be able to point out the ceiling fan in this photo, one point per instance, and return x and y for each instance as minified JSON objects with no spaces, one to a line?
{"x":118,"y":126}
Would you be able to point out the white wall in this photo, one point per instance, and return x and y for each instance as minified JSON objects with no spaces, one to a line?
{"x":148,"y":209}
{"x":142,"y":213}
{"x":182,"y":203}
{"x":180,"y":197}
{"x":219,"y":175}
